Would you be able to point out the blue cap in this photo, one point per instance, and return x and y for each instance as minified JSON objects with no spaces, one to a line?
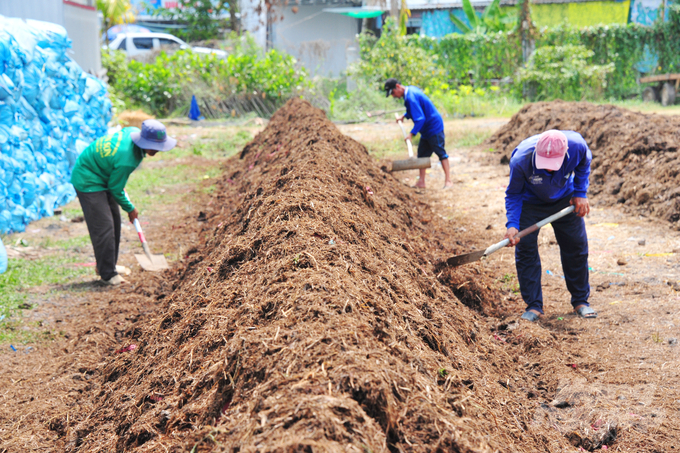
{"x":153,"y":136}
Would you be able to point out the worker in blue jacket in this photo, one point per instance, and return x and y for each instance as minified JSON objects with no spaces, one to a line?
{"x":427,"y":121}
{"x":549,"y":172}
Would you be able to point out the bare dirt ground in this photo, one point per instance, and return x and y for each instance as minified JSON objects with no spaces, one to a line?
{"x":631,"y":350}
{"x":620,"y":370}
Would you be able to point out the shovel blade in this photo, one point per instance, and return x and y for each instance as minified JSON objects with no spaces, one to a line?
{"x":459,"y":260}
{"x":155,"y":264}
{"x":411,"y":164}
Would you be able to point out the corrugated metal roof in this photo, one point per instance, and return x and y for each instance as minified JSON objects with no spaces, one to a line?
{"x":449,"y":4}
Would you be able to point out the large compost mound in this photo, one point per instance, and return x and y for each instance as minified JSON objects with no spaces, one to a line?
{"x":313,"y":318}
{"x":635,"y":156}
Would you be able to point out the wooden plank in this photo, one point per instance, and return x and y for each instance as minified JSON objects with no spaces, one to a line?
{"x":659,"y":78}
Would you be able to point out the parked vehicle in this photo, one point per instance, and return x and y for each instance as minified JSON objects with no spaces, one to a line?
{"x":138,"y":44}
{"x":663,"y":91}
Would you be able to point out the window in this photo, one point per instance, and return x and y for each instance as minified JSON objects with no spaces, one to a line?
{"x":123,"y":44}
{"x":143,"y":43}
{"x":168,"y":44}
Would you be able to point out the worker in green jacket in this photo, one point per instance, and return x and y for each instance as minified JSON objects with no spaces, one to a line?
{"x":99,"y":177}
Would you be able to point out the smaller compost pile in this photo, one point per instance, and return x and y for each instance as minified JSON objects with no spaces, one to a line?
{"x":313,"y":318}
{"x":635,"y":156}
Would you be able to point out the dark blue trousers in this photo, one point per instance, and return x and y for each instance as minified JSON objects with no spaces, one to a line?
{"x":570,"y":232}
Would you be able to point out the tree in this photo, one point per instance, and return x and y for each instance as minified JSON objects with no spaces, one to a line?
{"x":492,"y":19}
{"x":203,"y":18}
{"x":404,"y":14}
{"x":115,"y":12}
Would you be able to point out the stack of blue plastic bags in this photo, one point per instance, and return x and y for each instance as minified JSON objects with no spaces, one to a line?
{"x":50,"y":110}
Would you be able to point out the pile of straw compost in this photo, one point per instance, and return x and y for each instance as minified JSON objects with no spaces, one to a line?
{"x":635,"y":156}
{"x":314,"y":317}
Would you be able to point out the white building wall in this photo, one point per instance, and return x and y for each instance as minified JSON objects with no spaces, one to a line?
{"x":78,"y":17}
{"x":45,"y":10}
{"x":318,"y":39}
{"x":82,"y":26}
{"x":254,"y":20}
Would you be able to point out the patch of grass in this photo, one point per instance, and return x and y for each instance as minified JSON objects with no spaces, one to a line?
{"x":22,"y":274}
{"x":215,"y":145}
{"x":388,"y":148}
{"x":72,"y":212}
{"x":147,"y":186}
{"x":472,"y":138}
{"x":66,"y":244}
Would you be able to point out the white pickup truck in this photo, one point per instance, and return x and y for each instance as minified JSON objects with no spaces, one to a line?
{"x":136,"y":44}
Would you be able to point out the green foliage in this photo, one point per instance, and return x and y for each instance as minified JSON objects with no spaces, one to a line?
{"x":564,"y":72}
{"x":475,"y":57}
{"x":115,"y":12}
{"x":620,"y":45}
{"x":396,"y":56}
{"x":168,"y":82}
{"x":466,"y":100}
{"x":202,"y":18}
{"x":354,"y":105}
{"x":492,"y":18}
{"x":404,"y":14}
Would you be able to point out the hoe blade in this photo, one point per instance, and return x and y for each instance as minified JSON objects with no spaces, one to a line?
{"x":459,"y":260}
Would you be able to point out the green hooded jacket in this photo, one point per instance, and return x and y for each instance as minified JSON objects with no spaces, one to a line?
{"x":106,"y":165}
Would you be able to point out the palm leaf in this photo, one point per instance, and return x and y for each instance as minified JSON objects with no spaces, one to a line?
{"x":462,"y":26}
{"x":492,"y":11}
{"x":470,"y":13}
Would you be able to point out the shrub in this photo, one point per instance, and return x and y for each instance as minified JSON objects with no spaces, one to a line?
{"x":396,"y":56}
{"x":564,"y":72}
{"x":168,"y":82}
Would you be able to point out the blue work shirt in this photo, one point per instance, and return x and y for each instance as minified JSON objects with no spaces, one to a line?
{"x":533,"y":186}
{"x":419,"y":108}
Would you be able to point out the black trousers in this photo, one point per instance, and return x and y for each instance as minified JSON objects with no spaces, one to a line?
{"x":102,"y":215}
{"x":570,"y":232}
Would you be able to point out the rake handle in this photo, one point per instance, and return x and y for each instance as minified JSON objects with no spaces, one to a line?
{"x":409,"y":145}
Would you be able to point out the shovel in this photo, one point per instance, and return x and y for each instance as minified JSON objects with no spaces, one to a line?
{"x":148,"y":261}
{"x":459,"y":260}
{"x":412,"y":162}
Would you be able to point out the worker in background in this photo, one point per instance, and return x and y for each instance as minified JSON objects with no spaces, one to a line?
{"x":549,"y":172}
{"x":427,"y":121}
{"x":99,"y":177}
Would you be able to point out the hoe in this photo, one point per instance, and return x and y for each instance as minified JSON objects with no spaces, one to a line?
{"x":412,"y":162}
{"x":459,"y":260}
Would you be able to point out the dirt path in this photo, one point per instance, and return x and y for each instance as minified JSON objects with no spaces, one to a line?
{"x":630,"y":354}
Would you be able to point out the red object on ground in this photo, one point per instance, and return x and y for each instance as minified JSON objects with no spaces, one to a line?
{"x":128,"y":348}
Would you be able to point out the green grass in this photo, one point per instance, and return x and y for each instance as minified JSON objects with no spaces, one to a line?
{"x":472,"y":138}
{"x":387,"y":148}
{"x":23,"y":274}
{"x":66,"y":244}
{"x":150,"y":186}
{"x":220,"y":145}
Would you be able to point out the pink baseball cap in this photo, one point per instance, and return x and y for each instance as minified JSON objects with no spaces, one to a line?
{"x":550,"y":150}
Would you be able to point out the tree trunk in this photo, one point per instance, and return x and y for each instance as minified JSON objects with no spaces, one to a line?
{"x":233,"y":21}
{"x":394,"y":9}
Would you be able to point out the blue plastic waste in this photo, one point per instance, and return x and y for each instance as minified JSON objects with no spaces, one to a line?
{"x":194,"y":111}
{"x":50,"y":110}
